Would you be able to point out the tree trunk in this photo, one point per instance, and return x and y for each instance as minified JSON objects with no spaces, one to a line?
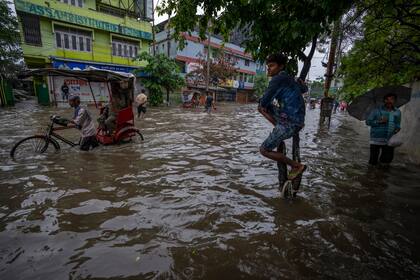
{"x":306,"y":59}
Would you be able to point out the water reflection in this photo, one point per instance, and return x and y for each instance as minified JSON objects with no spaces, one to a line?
{"x":196,"y":200}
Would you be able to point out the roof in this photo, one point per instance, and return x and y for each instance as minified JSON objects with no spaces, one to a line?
{"x":89,"y":74}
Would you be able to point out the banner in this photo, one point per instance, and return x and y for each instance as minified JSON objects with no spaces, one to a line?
{"x":63,"y":87}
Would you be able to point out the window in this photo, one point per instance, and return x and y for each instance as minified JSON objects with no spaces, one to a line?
{"x":31,"y":29}
{"x":73,"y":42}
{"x":88,"y":44}
{"x":77,"y":3}
{"x":246,"y":62}
{"x":58,"y":40}
{"x":72,"y":39}
{"x":81,"y":45}
{"x":124,"y":48}
{"x":66,"y":41}
{"x":112,"y":11}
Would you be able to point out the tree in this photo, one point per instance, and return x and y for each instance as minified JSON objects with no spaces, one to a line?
{"x":10,"y":52}
{"x":388,"y":51}
{"x":221,"y":66}
{"x":164,"y":73}
{"x":260,"y":83}
{"x":270,"y":26}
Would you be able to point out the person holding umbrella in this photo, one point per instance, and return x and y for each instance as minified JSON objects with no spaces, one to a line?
{"x":384,"y":122}
{"x":379,"y":107}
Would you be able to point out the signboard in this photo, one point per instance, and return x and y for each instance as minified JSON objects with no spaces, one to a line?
{"x":61,"y":64}
{"x":79,"y":20}
{"x":80,"y":88}
{"x":228,"y":83}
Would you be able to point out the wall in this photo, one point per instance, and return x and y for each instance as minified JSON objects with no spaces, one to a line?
{"x":410,"y":125}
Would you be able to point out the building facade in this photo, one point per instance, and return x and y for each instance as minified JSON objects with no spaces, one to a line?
{"x":76,"y":34}
{"x":195,"y":49}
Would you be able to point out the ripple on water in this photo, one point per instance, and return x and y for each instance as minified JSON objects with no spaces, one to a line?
{"x":196,"y":200}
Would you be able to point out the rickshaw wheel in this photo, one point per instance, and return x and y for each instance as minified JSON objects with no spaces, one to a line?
{"x":32,"y":146}
{"x":141,"y":135}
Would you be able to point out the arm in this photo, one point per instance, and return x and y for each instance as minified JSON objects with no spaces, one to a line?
{"x":372,"y":119}
{"x":80,"y":118}
{"x":398,"y":122}
{"x":267,"y":115}
{"x":273,"y":86}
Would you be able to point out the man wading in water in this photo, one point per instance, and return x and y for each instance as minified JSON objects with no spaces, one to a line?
{"x":282,"y":104}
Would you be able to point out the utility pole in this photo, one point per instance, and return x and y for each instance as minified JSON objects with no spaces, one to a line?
{"x":168,"y":38}
{"x":208,"y":58}
{"x":327,"y":102}
{"x":153,"y":28}
{"x":331,"y":56}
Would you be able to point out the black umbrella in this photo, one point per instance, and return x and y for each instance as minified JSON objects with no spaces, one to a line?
{"x":362,"y":105}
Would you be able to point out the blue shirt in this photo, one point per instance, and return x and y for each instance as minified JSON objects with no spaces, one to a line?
{"x":283,"y":99}
{"x":381,"y":132}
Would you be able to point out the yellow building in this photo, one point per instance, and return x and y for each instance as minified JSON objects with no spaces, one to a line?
{"x":105,"y":34}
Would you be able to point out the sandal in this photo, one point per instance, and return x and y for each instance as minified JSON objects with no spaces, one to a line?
{"x":295,"y":173}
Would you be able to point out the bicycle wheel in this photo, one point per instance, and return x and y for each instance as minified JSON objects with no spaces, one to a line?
{"x":32,"y":147}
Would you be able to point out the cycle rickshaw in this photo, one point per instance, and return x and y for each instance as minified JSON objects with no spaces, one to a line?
{"x":119,"y":111}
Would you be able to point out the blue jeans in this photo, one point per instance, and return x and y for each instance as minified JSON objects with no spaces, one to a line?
{"x":281,"y":131}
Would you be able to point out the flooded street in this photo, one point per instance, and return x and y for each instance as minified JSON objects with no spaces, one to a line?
{"x":196,"y":200}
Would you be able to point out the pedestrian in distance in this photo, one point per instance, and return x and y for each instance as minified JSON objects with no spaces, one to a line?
{"x":282,"y":104}
{"x":65,"y":92}
{"x":141,"y":101}
{"x":209,"y":104}
{"x":82,"y":120}
{"x":384,"y":122}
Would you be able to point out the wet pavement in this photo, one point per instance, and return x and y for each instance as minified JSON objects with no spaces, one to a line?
{"x":195,"y":200}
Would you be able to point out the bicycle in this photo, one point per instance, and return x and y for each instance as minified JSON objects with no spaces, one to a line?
{"x":40,"y":143}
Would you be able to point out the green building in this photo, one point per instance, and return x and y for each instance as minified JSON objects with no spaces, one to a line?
{"x":105,"y":34}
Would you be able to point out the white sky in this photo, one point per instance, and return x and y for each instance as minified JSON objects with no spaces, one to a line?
{"x":316,"y":69}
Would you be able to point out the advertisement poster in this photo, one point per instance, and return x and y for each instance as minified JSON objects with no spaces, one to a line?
{"x":67,"y":86}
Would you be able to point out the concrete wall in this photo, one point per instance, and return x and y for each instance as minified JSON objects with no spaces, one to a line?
{"x":410,"y":125}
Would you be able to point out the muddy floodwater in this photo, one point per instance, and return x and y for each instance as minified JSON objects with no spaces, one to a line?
{"x":196,"y":200}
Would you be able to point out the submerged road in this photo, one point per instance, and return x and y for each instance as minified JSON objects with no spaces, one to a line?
{"x":196,"y":200}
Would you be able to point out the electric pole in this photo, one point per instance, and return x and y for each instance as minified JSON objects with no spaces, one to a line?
{"x":331,"y":57}
{"x":168,"y":37}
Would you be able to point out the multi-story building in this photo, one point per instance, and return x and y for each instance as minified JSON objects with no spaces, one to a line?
{"x":194,"y":49}
{"x":105,"y":34}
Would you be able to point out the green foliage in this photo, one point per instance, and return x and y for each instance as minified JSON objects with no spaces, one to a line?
{"x":260,"y":83}
{"x":388,"y":53}
{"x":270,"y":26}
{"x":164,"y":73}
{"x":10,"y":52}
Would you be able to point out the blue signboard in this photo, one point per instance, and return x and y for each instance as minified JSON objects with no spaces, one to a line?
{"x":61,"y":64}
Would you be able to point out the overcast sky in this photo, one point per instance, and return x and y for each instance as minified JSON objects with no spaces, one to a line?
{"x":316,"y":70}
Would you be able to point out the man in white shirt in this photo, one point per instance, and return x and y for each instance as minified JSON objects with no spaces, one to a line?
{"x":83,"y":121}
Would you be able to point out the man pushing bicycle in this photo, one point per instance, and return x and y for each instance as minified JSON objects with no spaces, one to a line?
{"x":82,"y":120}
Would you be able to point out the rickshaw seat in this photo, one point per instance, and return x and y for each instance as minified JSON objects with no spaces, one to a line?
{"x":125,"y":115}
